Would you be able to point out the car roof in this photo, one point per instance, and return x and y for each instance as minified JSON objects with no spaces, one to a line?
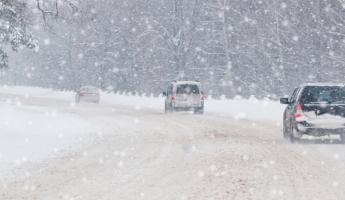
{"x":89,"y":87}
{"x":323,"y":84}
{"x":186,"y":82}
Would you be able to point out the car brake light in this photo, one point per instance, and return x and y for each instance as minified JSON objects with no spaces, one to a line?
{"x":81,"y":94}
{"x":173,"y":98}
{"x":299,"y":112}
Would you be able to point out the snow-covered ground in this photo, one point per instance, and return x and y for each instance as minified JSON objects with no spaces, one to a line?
{"x":32,"y":133}
{"x":141,"y":153}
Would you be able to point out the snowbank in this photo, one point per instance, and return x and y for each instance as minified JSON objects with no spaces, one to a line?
{"x":33,"y":133}
{"x":238,"y":108}
{"x":30,"y":133}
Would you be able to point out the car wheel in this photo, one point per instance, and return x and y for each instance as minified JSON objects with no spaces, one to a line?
{"x":342,"y":138}
{"x":199,"y":110}
{"x":291,"y":135}
{"x":166,"y":108}
{"x":285,"y":130}
{"x":172,"y":108}
{"x":77,"y":99}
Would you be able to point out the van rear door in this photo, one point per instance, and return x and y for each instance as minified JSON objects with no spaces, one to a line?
{"x":188,"y":95}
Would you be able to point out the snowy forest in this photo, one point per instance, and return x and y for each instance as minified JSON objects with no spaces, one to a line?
{"x":263,"y":48}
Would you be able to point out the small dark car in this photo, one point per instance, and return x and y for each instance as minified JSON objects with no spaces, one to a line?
{"x":315,"y":109}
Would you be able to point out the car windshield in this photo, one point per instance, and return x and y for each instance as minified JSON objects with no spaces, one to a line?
{"x":323,"y":94}
{"x":187,"y":89}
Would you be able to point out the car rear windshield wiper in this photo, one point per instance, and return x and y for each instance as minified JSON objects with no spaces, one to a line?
{"x":319,"y":102}
{"x":338,"y":102}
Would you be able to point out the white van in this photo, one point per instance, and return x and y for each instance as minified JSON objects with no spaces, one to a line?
{"x":184,"y":96}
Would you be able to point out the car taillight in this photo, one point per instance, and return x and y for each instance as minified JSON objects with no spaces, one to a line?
{"x":299,"y":112}
{"x":81,"y":94}
{"x":173,"y":98}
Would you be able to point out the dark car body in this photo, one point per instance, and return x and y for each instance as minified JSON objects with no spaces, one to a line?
{"x":315,"y":109}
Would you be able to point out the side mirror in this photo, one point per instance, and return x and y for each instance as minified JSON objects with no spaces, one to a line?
{"x":284,"y":101}
{"x":164,"y":94}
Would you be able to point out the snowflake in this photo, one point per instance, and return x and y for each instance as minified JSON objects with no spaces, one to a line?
{"x":246,"y":19}
{"x":285,"y":23}
{"x":46,"y":42}
{"x":283,"y":5}
{"x":80,"y":56}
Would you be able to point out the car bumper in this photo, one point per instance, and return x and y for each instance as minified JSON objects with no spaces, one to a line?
{"x":89,"y":98}
{"x":309,"y":129}
{"x":187,"y":105}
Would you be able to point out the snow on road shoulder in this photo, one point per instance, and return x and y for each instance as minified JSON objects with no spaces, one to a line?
{"x":252,"y":108}
{"x":33,"y":133}
{"x":238,"y":108}
{"x":28,"y":92}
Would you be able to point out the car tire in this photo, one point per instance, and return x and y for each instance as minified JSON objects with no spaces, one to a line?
{"x":285,"y":130}
{"x":342,"y":138}
{"x":77,"y":99}
{"x":172,"y":108}
{"x":289,"y":132}
{"x":199,"y":111}
{"x":291,"y":135}
{"x":168,"y":108}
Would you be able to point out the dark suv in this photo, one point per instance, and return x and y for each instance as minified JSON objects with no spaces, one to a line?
{"x":315,"y":109}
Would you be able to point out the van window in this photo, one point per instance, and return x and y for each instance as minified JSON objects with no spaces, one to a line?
{"x":187,"y":89}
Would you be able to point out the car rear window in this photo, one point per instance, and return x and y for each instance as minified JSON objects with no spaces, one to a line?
{"x":187,"y":89}
{"x":319,"y":94}
{"x":89,"y":90}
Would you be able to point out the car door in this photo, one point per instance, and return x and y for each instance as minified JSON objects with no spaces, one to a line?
{"x":290,"y":107}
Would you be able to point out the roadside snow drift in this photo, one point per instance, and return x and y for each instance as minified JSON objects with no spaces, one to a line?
{"x":31,"y":133}
{"x":238,"y":108}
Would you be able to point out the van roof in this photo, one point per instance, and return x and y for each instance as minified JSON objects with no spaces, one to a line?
{"x":186,"y":82}
{"x":323,"y":84}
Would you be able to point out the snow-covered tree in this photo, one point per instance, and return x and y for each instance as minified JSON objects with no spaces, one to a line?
{"x":237,"y":47}
{"x":13,"y":28}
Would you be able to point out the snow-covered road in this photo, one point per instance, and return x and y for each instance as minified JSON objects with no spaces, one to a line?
{"x":140,"y":153}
